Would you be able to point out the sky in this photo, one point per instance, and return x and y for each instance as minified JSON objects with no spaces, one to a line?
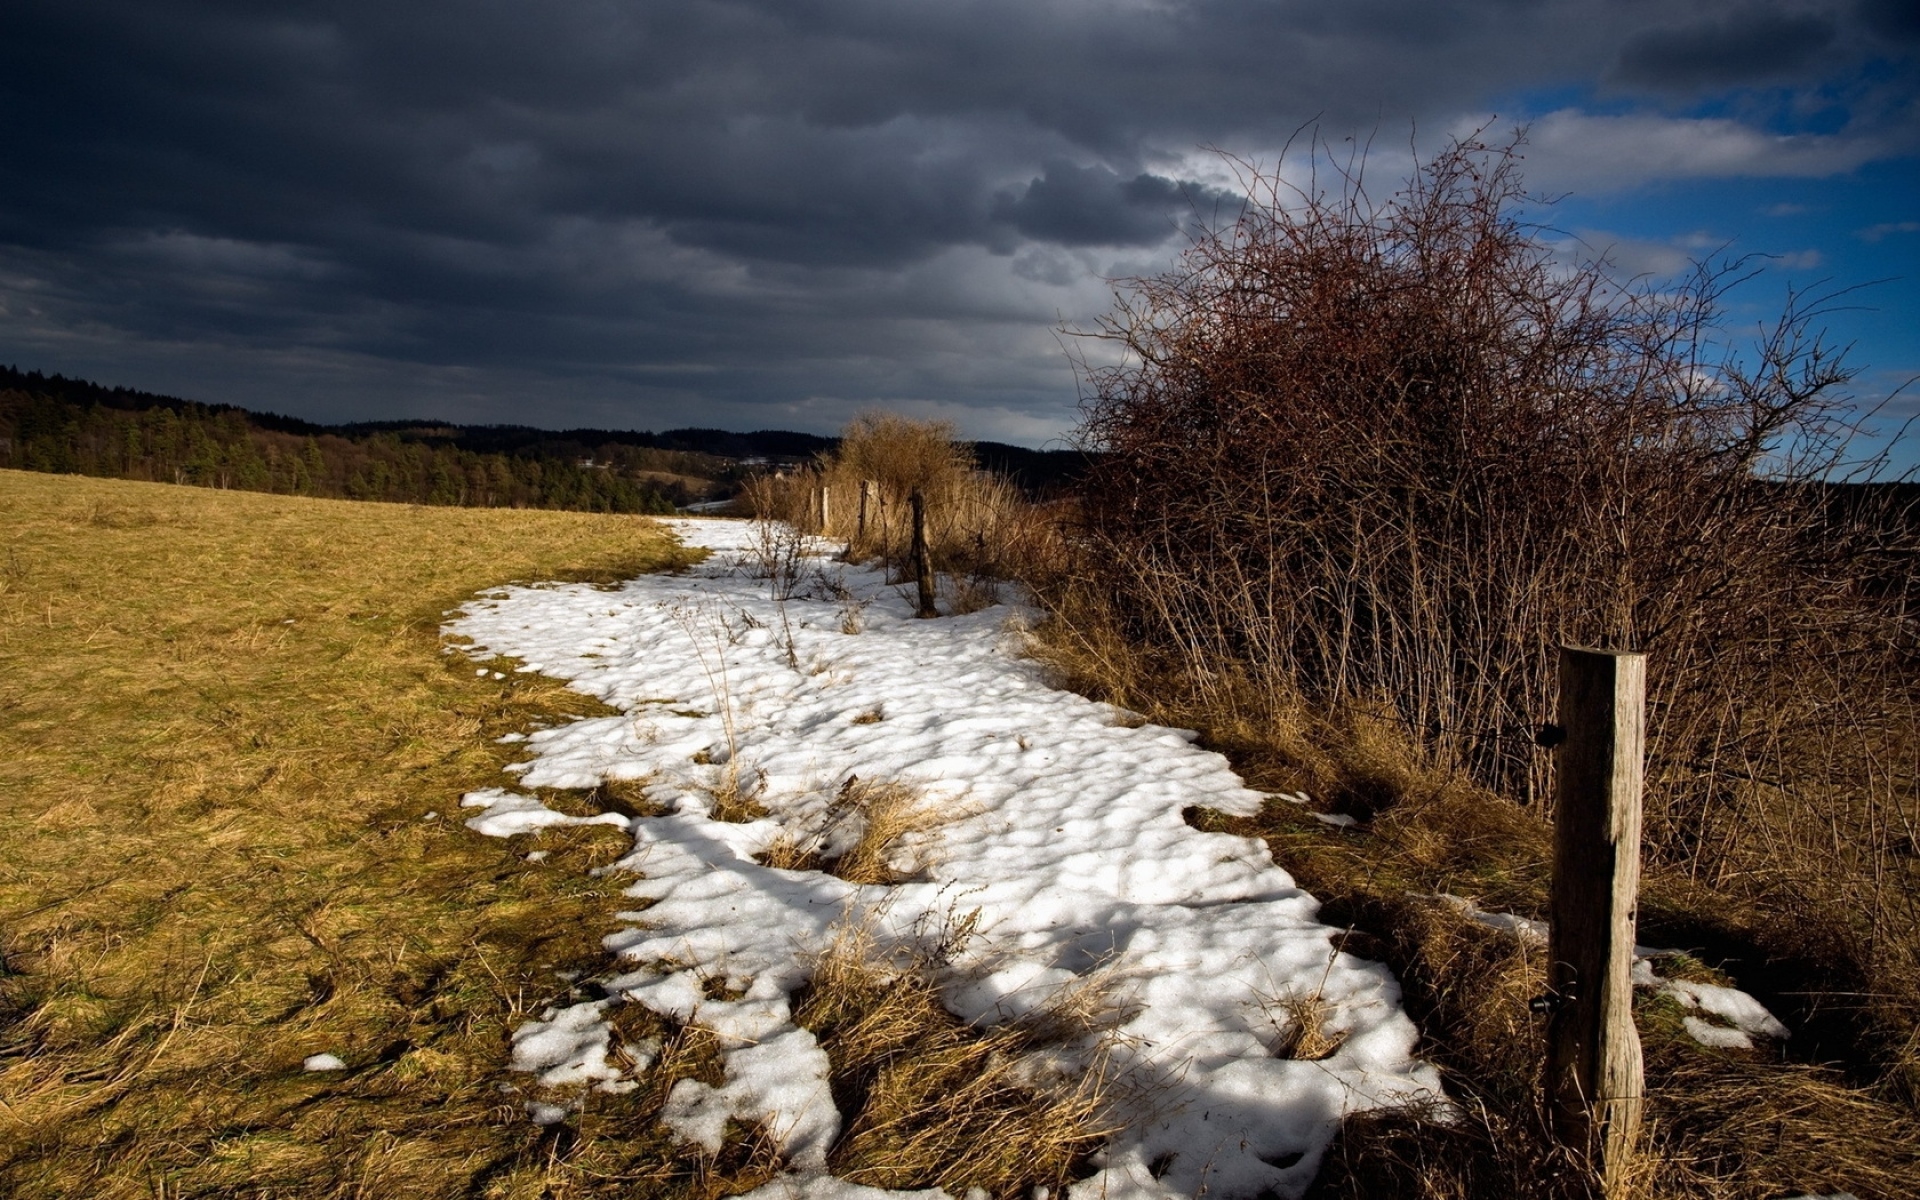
{"x":758,"y":214}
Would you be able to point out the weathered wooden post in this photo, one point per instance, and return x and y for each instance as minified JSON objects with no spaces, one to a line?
{"x":860,"y":530}
{"x":922,"y":557}
{"x":1595,"y":1085}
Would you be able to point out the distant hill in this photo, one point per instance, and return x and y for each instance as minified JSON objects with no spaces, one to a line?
{"x":52,"y":423}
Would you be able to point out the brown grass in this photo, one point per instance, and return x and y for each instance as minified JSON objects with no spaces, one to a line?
{"x":1301,"y":1031}
{"x":229,"y":720}
{"x":737,"y":799}
{"x":893,"y":819}
{"x":930,"y":1101}
{"x":788,"y":853}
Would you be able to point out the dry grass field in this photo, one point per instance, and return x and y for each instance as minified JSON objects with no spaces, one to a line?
{"x":229,"y":792}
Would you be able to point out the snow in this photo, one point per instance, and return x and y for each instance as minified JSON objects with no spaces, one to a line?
{"x":1065,"y":851}
{"x":567,"y":1046}
{"x":508,"y":813}
{"x":1533,"y":933}
{"x":323,"y":1062}
{"x":1744,"y":1017}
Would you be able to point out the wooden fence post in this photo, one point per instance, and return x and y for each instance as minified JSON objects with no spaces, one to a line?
{"x":1595,"y":1084}
{"x":922,"y":557}
{"x":860,"y":530}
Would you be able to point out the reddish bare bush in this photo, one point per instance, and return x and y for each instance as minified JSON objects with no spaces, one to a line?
{"x":1387,"y":455}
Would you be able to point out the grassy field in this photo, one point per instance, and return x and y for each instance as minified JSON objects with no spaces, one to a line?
{"x":230,"y":790}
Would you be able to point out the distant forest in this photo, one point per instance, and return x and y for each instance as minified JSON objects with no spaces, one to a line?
{"x":50,"y":423}
{"x":70,"y":426}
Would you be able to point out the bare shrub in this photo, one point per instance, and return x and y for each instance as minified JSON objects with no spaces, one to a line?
{"x":979,"y":525}
{"x":981,"y":529}
{"x":1385,"y":456}
{"x":900,"y":455}
{"x":776,"y":547}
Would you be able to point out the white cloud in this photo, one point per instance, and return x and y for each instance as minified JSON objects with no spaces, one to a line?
{"x":1569,"y":150}
{"x":1666,"y":258}
{"x":1875,"y":233}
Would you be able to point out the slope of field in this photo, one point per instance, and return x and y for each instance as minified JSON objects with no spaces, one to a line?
{"x":233,"y":758}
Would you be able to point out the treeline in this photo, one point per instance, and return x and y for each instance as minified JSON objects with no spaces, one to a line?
{"x":57,"y":425}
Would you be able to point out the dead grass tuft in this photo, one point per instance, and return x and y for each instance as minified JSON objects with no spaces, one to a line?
{"x":736,"y":797}
{"x":893,"y":819}
{"x":788,"y":853}
{"x":1300,"y":1026}
{"x":930,"y":1101}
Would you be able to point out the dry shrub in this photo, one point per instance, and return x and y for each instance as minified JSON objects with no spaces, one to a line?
{"x":930,"y":1101}
{"x":778,"y":546}
{"x":1378,"y":459}
{"x":980,"y":528}
{"x":900,"y":454}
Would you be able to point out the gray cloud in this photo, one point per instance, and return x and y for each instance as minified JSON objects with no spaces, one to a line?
{"x":1741,"y":46}
{"x":1896,"y":20}
{"x":1095,"y":206}
{"x":676,"y":209}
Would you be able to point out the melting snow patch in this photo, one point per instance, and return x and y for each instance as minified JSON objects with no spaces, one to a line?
{"x":542,"y":1113}
{"x":566,"y":1046}
{"x":324,"y":1062}
{"x":1533,"y":933}
{"x":1744,"y":1017}
{"x":509,"y":813}
{"x":1065,"y":853}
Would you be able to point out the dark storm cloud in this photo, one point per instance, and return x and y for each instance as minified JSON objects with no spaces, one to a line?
{"x":699,"y":202}
{"x":1896,"y":20}
{"x":1094,"y":206}
{"x":1736,"y":47}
